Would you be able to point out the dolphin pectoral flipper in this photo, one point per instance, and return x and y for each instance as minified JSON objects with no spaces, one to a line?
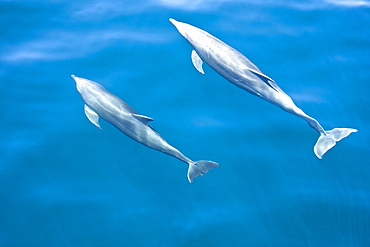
{"x":142,"y":118}
{"x":326,"y":142}
{"x":197,"y":61}
{"x":92,"y":116}
{"x":199,"y":168}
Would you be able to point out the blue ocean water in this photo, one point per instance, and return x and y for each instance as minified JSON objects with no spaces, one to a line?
{"x":63,"y":182}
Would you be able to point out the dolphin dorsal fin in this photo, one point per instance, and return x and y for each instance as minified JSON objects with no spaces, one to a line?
{"x":265,"y":78}
{"x":92,"y":116}
{"x":142,"y":118}
{"x":197,"y":61}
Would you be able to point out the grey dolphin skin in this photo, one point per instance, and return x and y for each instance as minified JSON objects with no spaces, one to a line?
{"x":101,"y":103}
{"x":237,"y":69}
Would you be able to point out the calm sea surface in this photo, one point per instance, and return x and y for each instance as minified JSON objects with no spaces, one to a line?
{"x":63,"y":182}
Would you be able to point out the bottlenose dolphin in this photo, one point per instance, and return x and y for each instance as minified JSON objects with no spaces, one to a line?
{"x":101,"y":103}
{"x":237,"y":69}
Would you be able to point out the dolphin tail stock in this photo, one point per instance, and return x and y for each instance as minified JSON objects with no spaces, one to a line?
{"x":199,"y":167}
{"x":328,"y":140}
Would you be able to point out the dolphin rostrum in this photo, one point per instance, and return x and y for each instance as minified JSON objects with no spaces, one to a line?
{"x":101,"y":103}
{"x":236,"y":68}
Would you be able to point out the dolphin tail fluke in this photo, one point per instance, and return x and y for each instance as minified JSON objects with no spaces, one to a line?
{"x":326,"y":142}
{"x":199,"y":168}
